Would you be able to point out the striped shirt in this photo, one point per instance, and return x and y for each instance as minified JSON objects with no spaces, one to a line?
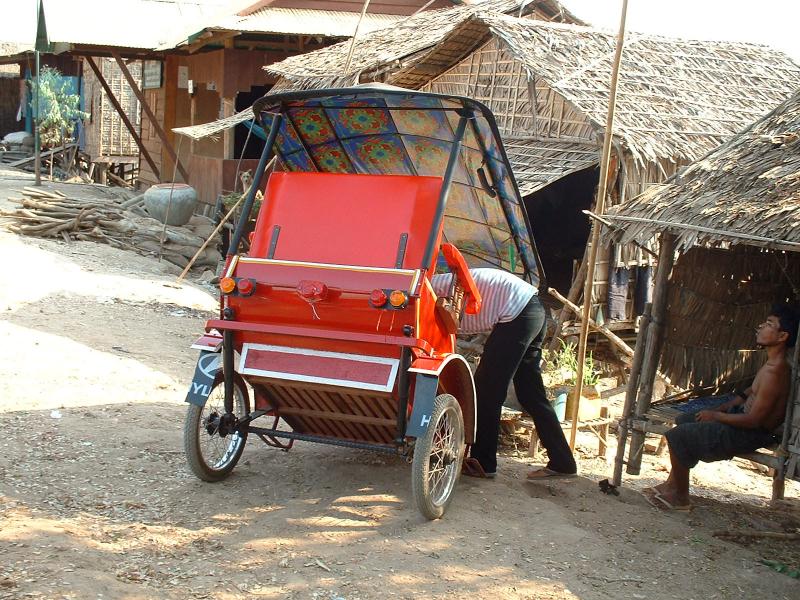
{"x":503,"y":294}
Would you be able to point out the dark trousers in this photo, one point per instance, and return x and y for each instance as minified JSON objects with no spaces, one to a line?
{"x":514,"y":351}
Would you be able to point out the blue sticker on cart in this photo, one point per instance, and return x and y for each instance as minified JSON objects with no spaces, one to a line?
{"x":208,"y":365}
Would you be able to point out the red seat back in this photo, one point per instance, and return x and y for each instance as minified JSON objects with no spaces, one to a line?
{"x":346,"y":219}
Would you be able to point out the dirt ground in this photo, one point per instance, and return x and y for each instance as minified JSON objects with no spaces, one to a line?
{"x":96,"y":500}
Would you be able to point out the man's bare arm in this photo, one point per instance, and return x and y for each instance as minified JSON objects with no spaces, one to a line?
{"x":739,"y":399}
{"x":770,"y":391}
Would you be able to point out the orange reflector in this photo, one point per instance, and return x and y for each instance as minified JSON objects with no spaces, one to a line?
{"x":245,"y":287}
{"x":377,"y":298}
{"x":398,"y":298}
{"x":227,"y":285}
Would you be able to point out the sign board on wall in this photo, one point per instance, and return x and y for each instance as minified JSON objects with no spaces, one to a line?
{"x":183,"y":78}
{"x":151,"y":74}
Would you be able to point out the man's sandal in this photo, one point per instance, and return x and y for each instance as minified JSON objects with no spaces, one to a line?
{"x":545,"y":473}
{"x":472,"y":468}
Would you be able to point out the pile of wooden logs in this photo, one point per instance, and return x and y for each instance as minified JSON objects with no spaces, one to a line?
{"x":111,"y":221}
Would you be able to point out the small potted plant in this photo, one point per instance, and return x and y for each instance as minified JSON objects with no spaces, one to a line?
{"x":565,"y":368}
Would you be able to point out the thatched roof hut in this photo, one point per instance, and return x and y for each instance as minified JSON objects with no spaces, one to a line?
{"x":745,"y":192}
{"x":734,"y":221}
{"x":407,"y":54}
{"x":548,"y":85}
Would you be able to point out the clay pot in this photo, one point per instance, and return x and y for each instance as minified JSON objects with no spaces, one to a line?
{"x":181,"y":206}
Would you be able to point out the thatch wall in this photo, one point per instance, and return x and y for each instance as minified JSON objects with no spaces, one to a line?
{"x":716,"y":299}
{"x":106,"y":134}
{"x":494,"y":76}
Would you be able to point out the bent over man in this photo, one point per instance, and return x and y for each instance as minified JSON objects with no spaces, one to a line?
{"x":737,"y":423}
{"x":512,"y":312}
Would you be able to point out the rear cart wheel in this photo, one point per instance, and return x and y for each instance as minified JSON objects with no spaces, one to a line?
{"x":210,"y":455}
{"x":438,"y":455}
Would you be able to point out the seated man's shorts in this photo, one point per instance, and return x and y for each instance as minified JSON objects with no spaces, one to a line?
{"x":690,"y":443}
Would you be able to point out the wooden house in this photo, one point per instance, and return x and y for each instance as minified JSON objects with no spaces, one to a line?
{"x":9,"y":99}
{"x":199,"y":60}
{"x":730,"y":231}
{"x":548,"y":85}
{"x":216,"y":69}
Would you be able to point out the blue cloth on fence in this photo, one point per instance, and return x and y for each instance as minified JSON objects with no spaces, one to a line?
{"x":618,"y":279}
{"x":703,"y":403}
{"x":691,"y":407}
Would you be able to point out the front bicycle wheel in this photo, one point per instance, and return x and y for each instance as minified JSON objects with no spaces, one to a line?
{"x":438,"y":455}
{"x":211,"y":456}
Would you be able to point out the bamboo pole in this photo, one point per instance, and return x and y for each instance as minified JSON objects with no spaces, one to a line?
{"x":355,"y":35}
{"x":652,"y":350}
{"x":572,"y":296}
{"x":37,"y":141}
{"x":615,"y":340}
{"x":778,"y":482}
{"x":220,"y":225}
{"x":599,"y":209}
{"x":630,"y":394}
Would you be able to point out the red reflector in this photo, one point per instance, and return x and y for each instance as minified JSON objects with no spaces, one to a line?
{"x":377,"y":298}
{"x":245,"y":286}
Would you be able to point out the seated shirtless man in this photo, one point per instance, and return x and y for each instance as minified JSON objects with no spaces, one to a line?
{"x":741,"y":424}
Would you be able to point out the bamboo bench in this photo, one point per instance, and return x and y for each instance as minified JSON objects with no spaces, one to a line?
{"x":660,"y":419}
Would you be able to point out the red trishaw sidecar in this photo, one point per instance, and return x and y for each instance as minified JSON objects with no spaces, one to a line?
{"x":331,"y":312}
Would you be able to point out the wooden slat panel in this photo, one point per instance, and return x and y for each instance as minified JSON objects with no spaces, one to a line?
{"x":325,"y":403}
{"x":367,"y":407}
{"x":296,"y":423}
{"x":333,"y":413}
{"x":294,"y":399}
{"x":336,"y":416}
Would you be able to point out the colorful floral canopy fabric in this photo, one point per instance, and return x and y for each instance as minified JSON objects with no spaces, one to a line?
{"x":379,"y":129}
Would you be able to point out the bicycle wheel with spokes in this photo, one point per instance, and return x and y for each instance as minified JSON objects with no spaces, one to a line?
{"x":438,"y":455}
{"x":210,"y":455}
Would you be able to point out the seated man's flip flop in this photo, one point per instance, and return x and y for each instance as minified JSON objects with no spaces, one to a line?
{"x":656,"y":500}
{"x":473,"y":468}
{"x":651,"y":495}
{"x":545,"y":473}
{"x":666,"y":504}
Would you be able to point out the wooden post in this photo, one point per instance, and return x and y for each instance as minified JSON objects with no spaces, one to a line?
{"x":653,"y":345}
{"x":118,"y":107}
{"x":601,"y":198}
{"x":148,"y":111}
{"x":228,"y":135}
{"x":102,"y":172}
{"x":630,"y":394}
{"x":778,"y":482}
{"x":572,"y":296}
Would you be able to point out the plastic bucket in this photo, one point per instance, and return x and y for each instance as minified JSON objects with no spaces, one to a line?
{"x":560,"y":404}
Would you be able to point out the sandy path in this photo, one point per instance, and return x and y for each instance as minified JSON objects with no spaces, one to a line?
{"x":96,"y":500}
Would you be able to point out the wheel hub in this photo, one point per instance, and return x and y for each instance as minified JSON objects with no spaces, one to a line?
{"x":221,"y":425}
{"x":212,"y":423}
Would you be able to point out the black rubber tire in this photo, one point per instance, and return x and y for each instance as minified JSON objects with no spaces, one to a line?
{"x":439,"y":450}
{"x":199,"y":444}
